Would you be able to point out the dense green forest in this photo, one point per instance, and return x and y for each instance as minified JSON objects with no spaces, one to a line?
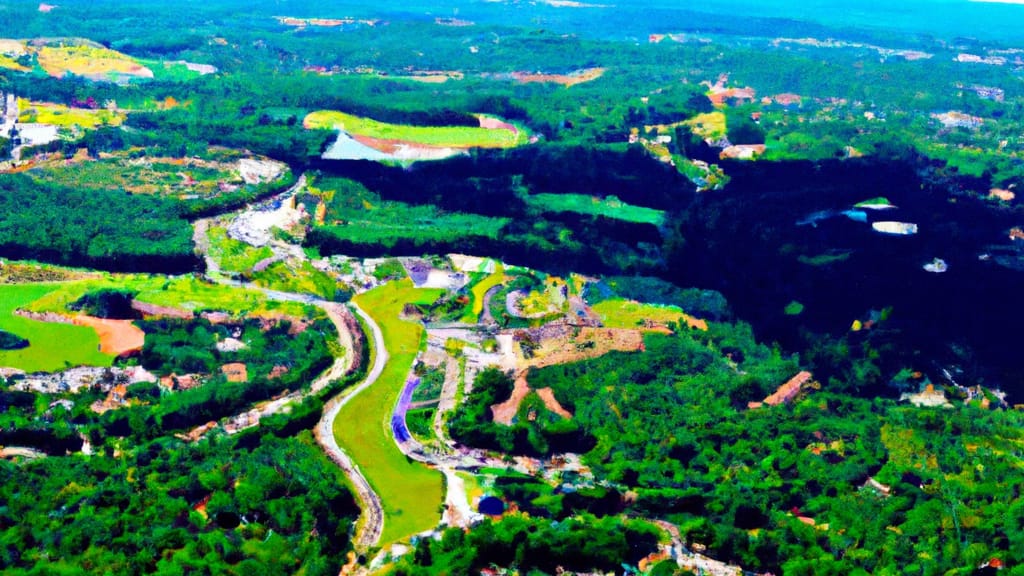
{"x":68,"y":226}
{"x":215,"y":507}
{"x":785,"y":488}
{"x":714,"y":158}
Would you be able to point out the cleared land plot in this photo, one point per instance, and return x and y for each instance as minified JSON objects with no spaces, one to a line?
{"x":52,"y":346}
{"x":94,"y":62}
{"x":562,"y":346}
{"x":410,"y":493}
{"x":609,"y":206}
{"x":438,"y":136}
{"x":184,"y":178}
{"x":567,"y":80}
{"x":116,"y":336}
{"x":619,"y":313}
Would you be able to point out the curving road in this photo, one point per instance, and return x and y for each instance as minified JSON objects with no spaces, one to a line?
{"x":370,"y":527}
{"x":373,"y":513}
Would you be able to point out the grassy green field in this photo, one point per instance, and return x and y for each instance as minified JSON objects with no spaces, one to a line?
{"x":169,"y":177}
{"x":359,"y":215}
{"x":610,"y":207}
{"x":60,"y":115}
{"x":710,"y":125}
{"x":617,"y":313}
{"x":52,"y":346}
{"x":302,"y":279}
{"x":410,"y":493}
{"x":442,"y":136}
{"x":479,"y":290}
{"x":233,"y":255}
{"x":186,"y":292}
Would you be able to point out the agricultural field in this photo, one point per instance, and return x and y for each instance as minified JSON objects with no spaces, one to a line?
{"x":75,"y":57}
{"x":609,"y":206}
{"x":710,"y":125}
{"x":410,"y":492}
{"x":52,"y":346}
{"x":89,"y":60}
{"x":65,"y":116}
{"x":384,"y":141}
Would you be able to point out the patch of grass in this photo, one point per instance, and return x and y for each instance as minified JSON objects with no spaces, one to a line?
{"x":824,"y":259}
{"x":64,"y":116}
{"x":709,"y":125}
{"x":358,"y":215}
{"x":52,"y":346}
{"x":303,"y":280}
{"x":479,"y":290}
{"x":185,"y":292}
{"x":609,"y":206}
{"x":233,"y":255}
{"x":441,"y":136}
{"x":170,"y":71}
{"x":794,"y":308}
{"x":421,"y":423}
{"x":12,"y":64}
{"x":431,"y":383}
{"x":170,"y":177}
{"x":474,"y":489}
{"x":85,"y":60}
{"x":410,"y":492}
{"x":619,"y":313}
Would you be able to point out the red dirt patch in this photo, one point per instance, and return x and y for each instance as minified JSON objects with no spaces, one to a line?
{"x":391,"y":146}
{"x":116,"y":336}
{"x":235,"y":372}
{"x":561,"y":344}
{"x":277,"y":372}
{"x":504,"y":413}
{"x":787,"y":391}
{"x":497,"y":124}
{"x":567,"y":80}
{"x":161,"y":311}
{"x":551,"y":403}
{"x":183,"y":382}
